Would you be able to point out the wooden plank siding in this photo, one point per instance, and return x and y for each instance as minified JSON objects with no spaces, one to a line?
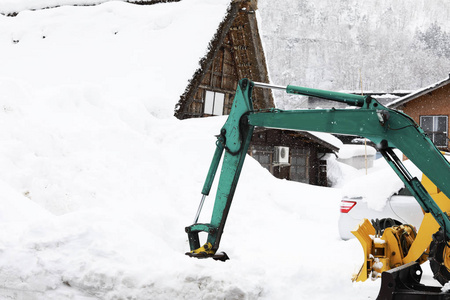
{"x":305,"y":151}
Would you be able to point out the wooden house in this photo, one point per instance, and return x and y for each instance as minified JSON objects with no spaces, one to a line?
{"x":292,"y":155}
{"x":236,"y":52}
{"x":430,"y":108}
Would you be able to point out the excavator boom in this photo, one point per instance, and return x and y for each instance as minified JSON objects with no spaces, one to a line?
{"x":387,"y":128}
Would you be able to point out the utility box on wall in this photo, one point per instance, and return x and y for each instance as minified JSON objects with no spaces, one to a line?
{"x":281,"y":155}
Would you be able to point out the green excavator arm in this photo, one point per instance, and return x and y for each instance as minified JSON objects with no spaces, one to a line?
{"x":387,"y":128}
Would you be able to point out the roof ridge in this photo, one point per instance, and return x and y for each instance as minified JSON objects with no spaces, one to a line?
{"x":418,"y":93}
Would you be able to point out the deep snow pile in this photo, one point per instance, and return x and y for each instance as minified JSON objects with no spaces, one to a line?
{"x":99,"y":180}
{"x":12,"y":7}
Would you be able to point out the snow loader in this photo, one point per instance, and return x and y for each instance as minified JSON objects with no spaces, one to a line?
{"x":400,"y":249}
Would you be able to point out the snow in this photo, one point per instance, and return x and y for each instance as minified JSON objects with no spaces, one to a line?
{"x":327,"y":137}
{"x":347,"y":151}
{"x":377,"y":240}
{"x":8,"y":7}
{"x":82,"y":44}
{"x":99,"y":179}
{"x":378,"y":185}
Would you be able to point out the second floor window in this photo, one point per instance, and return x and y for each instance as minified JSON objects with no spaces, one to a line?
{"x":214,"y":103}
{"x":436,"y":128}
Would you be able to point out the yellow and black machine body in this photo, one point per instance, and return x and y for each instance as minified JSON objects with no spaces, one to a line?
{"x":388,"y":129}
{"x":388,"y":247}
{"x":395,"y":252}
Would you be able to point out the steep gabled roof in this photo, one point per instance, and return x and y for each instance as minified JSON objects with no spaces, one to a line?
{"x":238,"y":34}
{"x":418,"y":93}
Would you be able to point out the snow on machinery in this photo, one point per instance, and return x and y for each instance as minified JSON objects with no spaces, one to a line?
{"x":388,"y":129}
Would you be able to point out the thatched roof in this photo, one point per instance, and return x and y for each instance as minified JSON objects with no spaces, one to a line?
{"x":239,"y":33}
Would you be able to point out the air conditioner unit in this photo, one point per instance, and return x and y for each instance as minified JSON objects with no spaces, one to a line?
{"x":281,"y":155}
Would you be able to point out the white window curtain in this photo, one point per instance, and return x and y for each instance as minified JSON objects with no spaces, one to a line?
{"x":214,"y":103}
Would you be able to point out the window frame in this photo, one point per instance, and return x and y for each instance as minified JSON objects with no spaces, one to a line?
{"x":435,"y":123}
{"x":300,"y":160}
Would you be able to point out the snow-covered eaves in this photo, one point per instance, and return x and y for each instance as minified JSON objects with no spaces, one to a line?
{"x":326,"y":139}
{"x":382,"y":97}
{"x":418,"y":93}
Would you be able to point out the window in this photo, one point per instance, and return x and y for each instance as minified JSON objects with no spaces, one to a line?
{"x":263,"y":156}
{"x":299,"y":169}
{"x":214,"y":103}
{"x":436,"y":128}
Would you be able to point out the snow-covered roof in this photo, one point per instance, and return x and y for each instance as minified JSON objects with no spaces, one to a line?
{"x":349,"y":150}
{"x":418,"y":93}
{"x":327,"y":138}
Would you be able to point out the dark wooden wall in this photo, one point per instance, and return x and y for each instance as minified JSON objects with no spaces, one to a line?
{"x":305,"y":163}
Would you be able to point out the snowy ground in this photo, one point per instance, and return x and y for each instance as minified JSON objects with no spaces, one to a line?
{"x":99,"y":179}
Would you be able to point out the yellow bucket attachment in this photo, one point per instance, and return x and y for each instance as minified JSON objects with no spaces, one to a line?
{"x":363,"y":233}
{"x":207,"y":251}
{"x":385,"y":252}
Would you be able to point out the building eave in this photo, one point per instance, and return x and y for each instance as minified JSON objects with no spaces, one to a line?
{"x":418,"y":93}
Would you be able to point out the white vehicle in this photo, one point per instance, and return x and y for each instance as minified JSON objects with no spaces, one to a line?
{"x":400,"y":208}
